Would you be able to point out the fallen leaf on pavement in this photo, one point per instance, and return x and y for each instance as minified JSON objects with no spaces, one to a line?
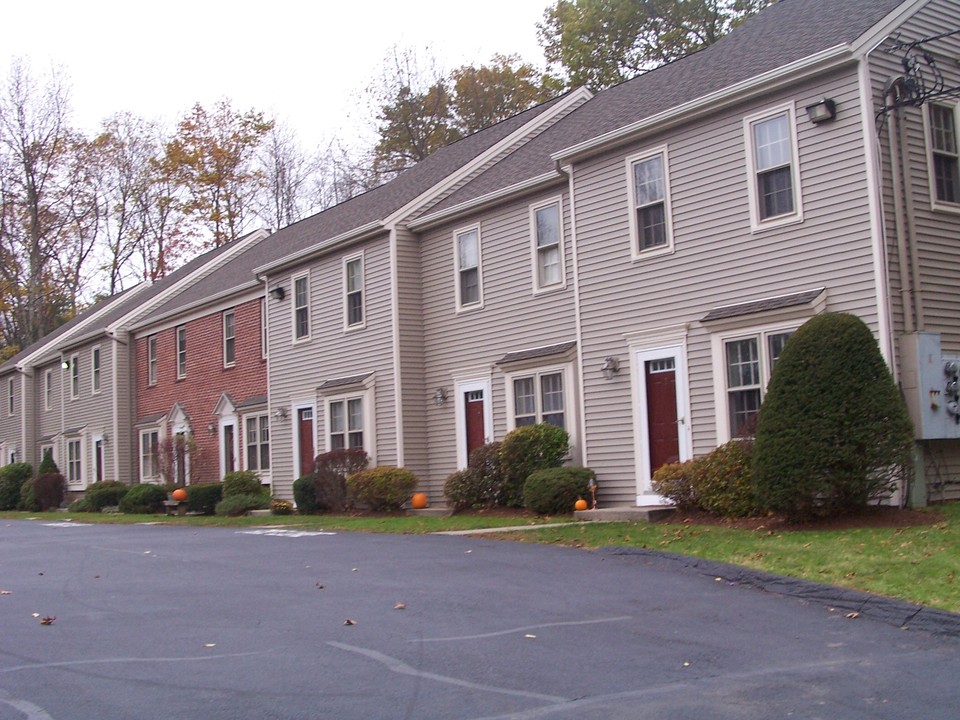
{"x":400,"y":606}
{"x":852,"y":616}
{"x":348,"y":621}
{"x":48,"y":619}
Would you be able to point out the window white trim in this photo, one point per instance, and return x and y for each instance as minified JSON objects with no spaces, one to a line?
{"x":11,"y":396}
{"x":149,"y":456}
{"x":718,"y":344}
{"x":74,"y":370}
{"x":935,"y":202}
{"x":347,"y":292}
{"x":535,"y":248}
{"x":749,"y":122}
{"x":368,"y":421}
{"x":74,"y":470}
{"x":459,"y":272}
{"x":180,"y":338}
{"x":97,"y":445}
{"x":96,"y":359}
{"x":566,"y":372}
{"x":52,"y":447}
{"x":304,"y":307}
{"x":261,"y":425}
{"x":151,"y":359}
{"x":462,"y":386}
{"x":228,"y":336}
{"x":47,"y":391}
{"x":667,"y":247}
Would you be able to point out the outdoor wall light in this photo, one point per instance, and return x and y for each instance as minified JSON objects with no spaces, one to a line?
{"x":280,"y":413}
{"x":278,"y":292}
{"x":211,"y":428}
{"x":440,"y":397}
{"x":65,"y":364}
{"x":823,"y":111}
{"x":611,"y":366}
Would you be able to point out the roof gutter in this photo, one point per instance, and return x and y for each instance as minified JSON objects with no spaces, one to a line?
{"x":356,"y":234}
{"x":734,"y":94}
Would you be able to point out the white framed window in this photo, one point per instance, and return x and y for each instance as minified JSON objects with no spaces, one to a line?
{"x":468,"y":270}
{"x":152,"y":360}
{"x":181,"y":335}
{"x":546,"y":234}
{"x":943,"y":155}
{"x":74,"y":376}
{"x":74,"y":462}
{"x":263,"y":328}
{"x":651,"y":228}
{"x":95,"y":369}
{"x":345,"y":422}
{"x":744,"y":361}
{"x":774,"y":182}
{"x":149,"y":450}
{"x":301,"y":308}
{"x":538,"y":398}
{"x":229,"y":338}
{"x":353,"y":309}
{"x":257,"y":442}
{"x":11,"y":396}
{"x":47,"y":391}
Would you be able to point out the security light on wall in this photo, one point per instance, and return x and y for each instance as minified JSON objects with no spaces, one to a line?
{"x":65,"y":364}
{"x":440,"y":397}
{"x":280,"y":413}
{"x":611,"y":366}
{"x":278,"y":293}
{"x":822,"y":111}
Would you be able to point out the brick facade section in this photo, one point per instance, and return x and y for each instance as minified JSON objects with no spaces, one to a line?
{"x":206,"y":380}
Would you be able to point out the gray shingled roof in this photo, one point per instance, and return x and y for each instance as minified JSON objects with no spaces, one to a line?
{"x":540,"y":352}
{"x":757,"y":306}
{"x":343,"y":381}
{"x":785,"y":32}
{"x":351,"y":214}
{"x":252,"y":401}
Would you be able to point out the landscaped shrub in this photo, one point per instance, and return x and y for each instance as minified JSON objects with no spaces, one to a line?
{"x":305,"y":494}
{"x":723,"y":481}
{"x":241,"y":482}
{"x":382,"y":488}
{"x":47,"y":464}
{"x":236,"y":505}
{"x":553,"y":491}
{"x":465,"y":490}
{"x":281,"y":507}
{"x":104,"y":494}
{"x":833,"y":431}
{"x":526,"y":450}
{"x":143,"y":499}
{"x":12,"y":476}
{"x":331,"y":470}
{"x":81,"y":505}
{"x":44,"y":492}
{"x":674,"y":481}
{"x":203,"y":497}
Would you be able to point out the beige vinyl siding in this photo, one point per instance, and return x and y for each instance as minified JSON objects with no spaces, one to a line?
{"x":717,"y":259}
{"x":11,"y":426}
{"x":512,"y":317}
{"x":297,"y":370}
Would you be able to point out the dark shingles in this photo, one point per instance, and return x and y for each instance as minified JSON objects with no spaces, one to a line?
{"x":343,"y":381}
{"x":539,"y":352}
{"x":763,"y":305}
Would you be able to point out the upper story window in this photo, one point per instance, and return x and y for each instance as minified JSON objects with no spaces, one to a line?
{"x":229,"y":338}
{"x":353,"y":291}
{"x":774,"y":177}
{"x":181,"y":352}
{"x":152,"y":360}
{"x":258,"y":442}
{"x":650,"y":197}
{"x":95,"y":369}
{"x":467,"y":255}
{"x":749,"y":361}
{"x":547,"y":234}
{"x":301,"y":307}
{"x":11,"y":397}
{"x":943,"y":158}
{"x":48,"y":389}
{"x":74,"y":377}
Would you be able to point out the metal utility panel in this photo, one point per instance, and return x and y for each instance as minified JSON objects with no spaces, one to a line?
{"x":931,"y":386}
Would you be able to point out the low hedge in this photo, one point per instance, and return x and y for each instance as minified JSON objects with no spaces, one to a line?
{"x":143,"y":499}
{"x":241,"y":482}
{"x":202,"y":498}
{"x":382,"y":488}
{"x":105,"y":494}
{"x":12,"y":476}
{"x":236,"y":505}
{"x":553,"y":491}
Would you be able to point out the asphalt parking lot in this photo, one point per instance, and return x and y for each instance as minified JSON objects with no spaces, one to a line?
{"x":173,"y":622}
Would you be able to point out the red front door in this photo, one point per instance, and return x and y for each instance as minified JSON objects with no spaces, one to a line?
{"x":476,"y":435}
{"x":661,"y":381}
{"x":305,"y":438}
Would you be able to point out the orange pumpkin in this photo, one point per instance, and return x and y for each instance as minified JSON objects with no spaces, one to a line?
{"x":418,"y":501}
{"x":179,"y":495}
{"x":580,"y":504}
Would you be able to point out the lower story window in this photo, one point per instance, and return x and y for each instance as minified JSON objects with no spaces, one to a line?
{"x":346,"y":423}
{"x":538,"y":398}
{"x":149,"y":447}
{"x":749,"y":363}
{"x":73,"y":462}
{"x":258,"y":443}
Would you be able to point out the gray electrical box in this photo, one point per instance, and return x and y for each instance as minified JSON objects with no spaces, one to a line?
{"x":931,"y":386}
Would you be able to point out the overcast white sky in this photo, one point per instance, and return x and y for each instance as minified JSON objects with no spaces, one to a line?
{"x":306,"y":63}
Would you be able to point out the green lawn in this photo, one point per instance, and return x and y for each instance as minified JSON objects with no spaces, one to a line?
{"x":918,"y":564}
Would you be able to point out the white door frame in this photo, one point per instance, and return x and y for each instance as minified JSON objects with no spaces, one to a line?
{"x":296,"y":407}
{"x":641,"y":434}
{"x":460,"y":388}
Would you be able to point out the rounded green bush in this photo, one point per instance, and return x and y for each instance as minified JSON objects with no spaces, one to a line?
{"x":553,"y":491}
{"x":104,"y":494}
{"x":143,"y":499}
{"x":202,"y":498}
{"x":527,"y":449}
{"x":722,"y":481}
{"x":241,"y":482}
{"x":81,"y":505}
{"x":382,"y":488}
{"x":675,"y":481}
{"x":467,"y":489}
{"x":305,"y":495}
{"x":12,"y":476}
{"x":236,"y":505}
{"x":42,"y":493}
{"x":833,"y":431}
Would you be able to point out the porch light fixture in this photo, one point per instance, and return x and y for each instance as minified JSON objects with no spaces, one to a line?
{"x":280,"y":413}
{"x":65,"y":364}
{"x":211,"y":428}
{"x":611,"y":366}
{"x":278,"y":292}
{"x":823,"y":111}
{"x":440,"y":397}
